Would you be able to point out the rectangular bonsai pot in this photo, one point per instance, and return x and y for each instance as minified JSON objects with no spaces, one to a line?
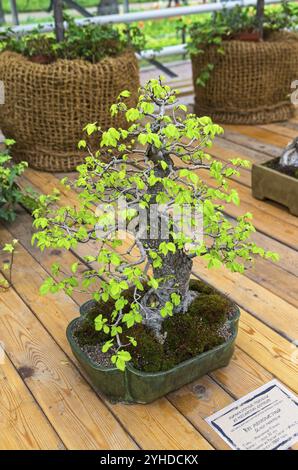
{"x":135,"y":386}
{"x":268,"y":183}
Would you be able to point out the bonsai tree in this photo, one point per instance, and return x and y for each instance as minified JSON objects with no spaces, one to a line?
{"x":157,"y":167}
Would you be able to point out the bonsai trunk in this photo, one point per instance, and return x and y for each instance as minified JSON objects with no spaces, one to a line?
{"x":176,"y":267}
{"x":260,"y":17}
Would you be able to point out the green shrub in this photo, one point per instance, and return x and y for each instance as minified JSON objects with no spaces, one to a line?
{"x":228,"y":22}
{"x":10,"y":193}
{"x":92,"y":42}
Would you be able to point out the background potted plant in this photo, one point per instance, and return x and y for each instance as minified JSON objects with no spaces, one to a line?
{"x":149,"y":328}
{"x":277,"y":179}
{"x":244,"y":61}
{"x":55,"y":84}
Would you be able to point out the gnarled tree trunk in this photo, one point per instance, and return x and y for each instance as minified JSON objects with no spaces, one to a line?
{"x":176,"y":267}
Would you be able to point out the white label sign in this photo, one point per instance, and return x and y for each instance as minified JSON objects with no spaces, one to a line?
{"x":266,"y":419}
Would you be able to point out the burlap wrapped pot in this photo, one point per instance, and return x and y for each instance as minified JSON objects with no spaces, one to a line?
{"x":250,"y":82}
{"x":47,"y":106}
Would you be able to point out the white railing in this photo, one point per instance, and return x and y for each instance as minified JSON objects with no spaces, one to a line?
{"x":142,"y":15}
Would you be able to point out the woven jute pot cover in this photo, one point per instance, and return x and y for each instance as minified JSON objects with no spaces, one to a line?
{"x":250,"y":82}
{"x":47,"y":106}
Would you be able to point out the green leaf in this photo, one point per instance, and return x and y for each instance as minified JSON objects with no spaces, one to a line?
{"x":90,"y":128}
{"x":108,"y":345}
{"x":124,"y":94}
{"x":82,"y":144}
{"x":46,"y":286}
{"x":132,"y":114}
{"x":74,"y":267}
{"x":163,"y":164}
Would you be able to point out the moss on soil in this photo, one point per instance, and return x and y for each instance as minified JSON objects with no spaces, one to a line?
{"x":187,"y":335}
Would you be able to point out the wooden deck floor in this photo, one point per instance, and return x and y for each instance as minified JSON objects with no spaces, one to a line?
{"x":45,"y":400}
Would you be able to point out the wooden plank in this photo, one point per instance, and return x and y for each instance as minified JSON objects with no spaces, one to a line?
{"x":281,"y":130}
{"x":166,"y":430}
{"x":288,"y":257}
{"x":269,"y":349}
{"x":64,"y":397}
{"x":161,"y":423}
{"x":199,"y":400}
{"x":238,"y":143}
{"x":262,"y":135}
{"x":241,"y":139}
{"x":23,"y":425}
{"x":275,"y":279}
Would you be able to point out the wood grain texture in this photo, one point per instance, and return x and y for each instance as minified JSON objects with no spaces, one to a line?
{"x":23,"y":424}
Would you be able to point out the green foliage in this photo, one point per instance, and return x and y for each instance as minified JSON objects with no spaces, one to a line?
{"x":91,"y":42}
{"x":7,"y":250}
{"x":168,"y":167}
{"x":227,"y":23}
{"x":10,"y":193}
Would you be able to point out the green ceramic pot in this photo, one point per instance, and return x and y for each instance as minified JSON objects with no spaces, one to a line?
{"x":134,"y":386}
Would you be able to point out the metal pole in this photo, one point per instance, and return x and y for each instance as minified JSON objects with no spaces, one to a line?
{"x":126,"y":6}
{"x":14,"y":12}
{"x":58,"y":17}
{"x":260,"y":16}
{"x":2,"y":17}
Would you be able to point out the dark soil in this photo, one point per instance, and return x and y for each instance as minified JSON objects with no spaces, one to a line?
{"x":287,"y":170}
{"x":253,"y":36}
{"x":200,"y":329}
{"x":42,"y":59}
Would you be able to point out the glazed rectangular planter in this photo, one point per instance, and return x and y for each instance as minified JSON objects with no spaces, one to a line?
{"x":135,"y":386}
{"x":268,"y":183}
